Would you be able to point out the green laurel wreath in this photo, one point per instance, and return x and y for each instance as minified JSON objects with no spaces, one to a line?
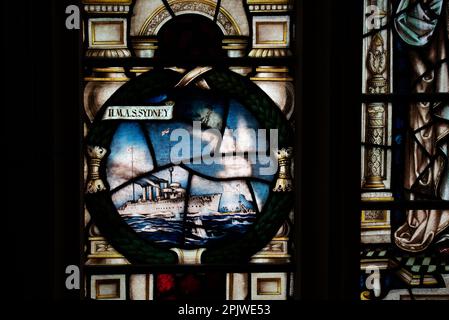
{"x":140,"y":251}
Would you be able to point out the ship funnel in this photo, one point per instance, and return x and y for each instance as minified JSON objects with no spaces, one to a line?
{"x":144,"y":193}
{"x":158,"y":192}
{"x":150,"y":193}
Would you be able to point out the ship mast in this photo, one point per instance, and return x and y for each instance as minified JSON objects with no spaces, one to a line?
{"x":132,"y":173}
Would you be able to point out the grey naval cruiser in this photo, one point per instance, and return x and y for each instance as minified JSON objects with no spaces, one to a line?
{"x":166,"y":200}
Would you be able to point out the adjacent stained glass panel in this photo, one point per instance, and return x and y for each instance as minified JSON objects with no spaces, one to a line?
{"x":405,"y":159}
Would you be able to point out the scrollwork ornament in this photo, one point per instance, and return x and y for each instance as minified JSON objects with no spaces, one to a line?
{"x":94,"y":182}
{"x":284,"y":181}
{"x":377,"y":65}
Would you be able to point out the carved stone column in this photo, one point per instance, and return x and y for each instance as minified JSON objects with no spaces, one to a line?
{"x":377,"y":79}
{"x":375,"y":136}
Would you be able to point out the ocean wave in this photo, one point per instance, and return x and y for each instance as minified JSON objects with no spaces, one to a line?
{"x":181,"y":233}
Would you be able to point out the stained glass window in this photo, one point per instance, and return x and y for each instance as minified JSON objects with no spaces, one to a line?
{"x":405,"y":167}
{"x":189,"y":128}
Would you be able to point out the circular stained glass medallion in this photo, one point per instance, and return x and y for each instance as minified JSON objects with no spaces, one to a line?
{"x":187,"y":161}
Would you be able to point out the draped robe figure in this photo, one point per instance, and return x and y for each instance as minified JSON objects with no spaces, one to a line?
{"x":423,"y":25}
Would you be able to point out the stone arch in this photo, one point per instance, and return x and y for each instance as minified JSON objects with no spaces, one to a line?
{"x":190,"y":36}
{"x":160,"y":15}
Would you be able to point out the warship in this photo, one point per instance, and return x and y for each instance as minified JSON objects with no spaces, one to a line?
{"x":166,"y":200}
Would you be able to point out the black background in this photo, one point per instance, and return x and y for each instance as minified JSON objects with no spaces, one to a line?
{"x":43,"y":134}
